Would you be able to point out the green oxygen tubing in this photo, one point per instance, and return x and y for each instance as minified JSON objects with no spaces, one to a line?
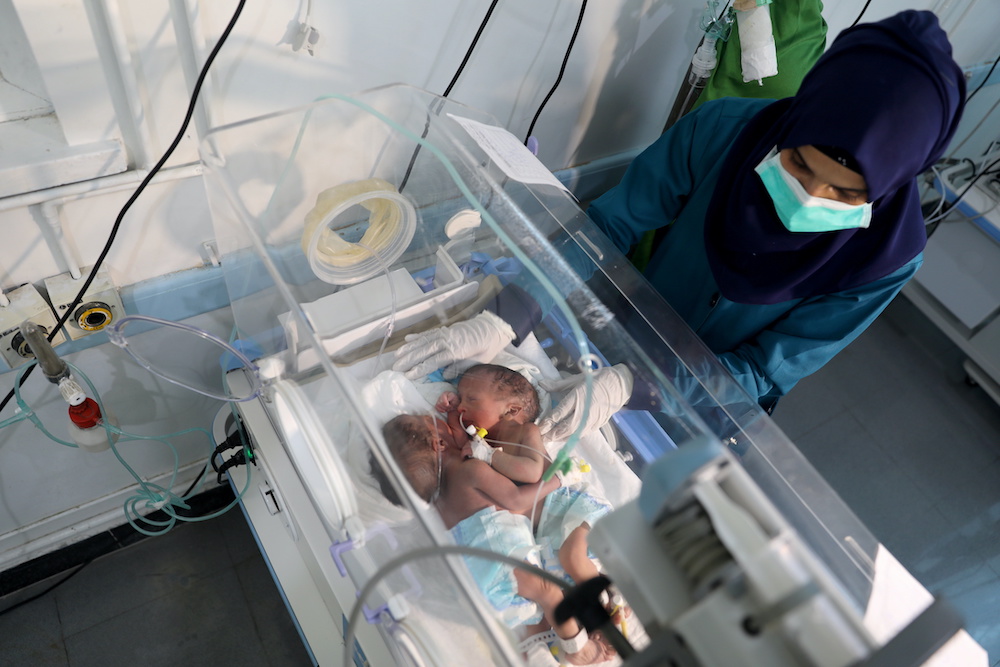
{"x":104,"y":433}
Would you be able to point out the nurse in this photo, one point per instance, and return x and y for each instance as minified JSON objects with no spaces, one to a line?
{"x":789,"y":225}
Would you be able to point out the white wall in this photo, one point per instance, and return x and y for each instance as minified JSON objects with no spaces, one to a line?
{"x":615,"y":96}
{"x":972,"y":27}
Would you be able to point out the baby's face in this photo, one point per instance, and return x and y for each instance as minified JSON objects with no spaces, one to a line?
{"x":442,"y":431}
{"x":478,"y":403}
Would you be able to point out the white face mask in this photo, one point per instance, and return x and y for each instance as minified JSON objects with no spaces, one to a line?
{"x":801,"y":212}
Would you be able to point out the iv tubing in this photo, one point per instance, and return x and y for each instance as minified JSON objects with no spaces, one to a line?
{"x":391,"y":322}
{"x":427,"y":552}
{"x":152,"y":495}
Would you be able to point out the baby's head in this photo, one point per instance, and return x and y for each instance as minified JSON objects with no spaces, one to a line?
{"x":417,"y":443}
{"x":489,"y":393}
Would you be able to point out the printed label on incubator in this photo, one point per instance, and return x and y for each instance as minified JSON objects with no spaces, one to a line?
{"x":509,"y":153}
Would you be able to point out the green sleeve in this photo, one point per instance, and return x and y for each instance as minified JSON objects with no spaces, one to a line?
{"x":800,"y":39}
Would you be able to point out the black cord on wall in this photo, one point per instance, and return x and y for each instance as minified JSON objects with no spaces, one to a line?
{"x":562,"y":70}
{"x":135,"y":195}
{"x":863,"y":10}
{"x":983,"y":83}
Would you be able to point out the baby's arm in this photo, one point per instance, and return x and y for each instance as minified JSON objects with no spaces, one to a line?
{"x":503,"y":493}
{"x":520,"y":454}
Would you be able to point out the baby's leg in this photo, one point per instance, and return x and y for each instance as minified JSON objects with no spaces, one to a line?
{"x":579,"y":649}
{"x":575,"y":561}
{"x":573,"y":555}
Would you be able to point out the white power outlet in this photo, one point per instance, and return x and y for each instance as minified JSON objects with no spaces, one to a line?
{"x":99,"y":308}
{"x":26,"y":303}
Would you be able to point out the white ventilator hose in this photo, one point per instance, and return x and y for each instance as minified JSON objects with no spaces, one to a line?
{"x":391,"y":226}
{"x":758,"y":56}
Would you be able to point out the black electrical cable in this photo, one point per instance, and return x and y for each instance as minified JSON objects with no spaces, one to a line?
{"x":451,"y":84}
{"x":969,"y":185}
{"x":944,"y":212}
{"x":472,"y":46}
{"x":983,"y":83}
{"x":142,"y":186}
{"x":197,"y":479}
{"x":49,"y":589}
{"x":863,"y":10}
{"x":562,"y":70}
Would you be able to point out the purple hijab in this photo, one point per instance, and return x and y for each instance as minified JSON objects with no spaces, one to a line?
{"x":889,"y":94}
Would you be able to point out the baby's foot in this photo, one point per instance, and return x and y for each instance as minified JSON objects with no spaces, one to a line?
{"x":595,"y":650}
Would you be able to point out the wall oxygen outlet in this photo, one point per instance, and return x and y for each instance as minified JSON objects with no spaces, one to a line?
{"x":100,"y":307}
{"x":26,"y":303}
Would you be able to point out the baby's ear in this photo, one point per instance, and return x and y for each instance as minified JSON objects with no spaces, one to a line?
{"x":439,"y":445}
{"x":512,"y":411}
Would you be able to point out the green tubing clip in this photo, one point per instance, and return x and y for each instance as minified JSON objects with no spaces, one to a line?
{"x":562,"y":463}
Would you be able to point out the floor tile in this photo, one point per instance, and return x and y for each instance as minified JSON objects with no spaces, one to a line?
{"x":847,"y":457}
{"x":974,"y":507}
{"x":811,"y":404}
{"x":157,"y":566}
{"x":942,"y":461}
{"x":240,"y":542}
{"x":976,"y":594}
{"x":31,"y":635}
{"x":279,"y":637}
{"x":206,"y":625}
{"x":914,"y":453}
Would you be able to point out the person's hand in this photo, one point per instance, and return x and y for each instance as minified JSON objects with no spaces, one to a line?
{"x":612,"y":387}
{"x":476,"y":340}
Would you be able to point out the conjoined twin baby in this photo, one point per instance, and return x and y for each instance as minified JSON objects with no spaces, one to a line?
{"x":481,"y":466}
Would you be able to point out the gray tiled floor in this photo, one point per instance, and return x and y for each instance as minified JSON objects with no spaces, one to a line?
{"x":890,"y":423}
{"x":915,"y":451}
{"x":199,"y":595}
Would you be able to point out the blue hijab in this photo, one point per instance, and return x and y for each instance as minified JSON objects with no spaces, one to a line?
{"x":887,"y":93}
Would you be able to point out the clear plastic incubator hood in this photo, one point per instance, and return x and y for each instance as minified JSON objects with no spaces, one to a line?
{"x":349,"y":224}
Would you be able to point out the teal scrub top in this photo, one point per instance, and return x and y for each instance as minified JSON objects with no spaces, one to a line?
{"x":767,"y":348}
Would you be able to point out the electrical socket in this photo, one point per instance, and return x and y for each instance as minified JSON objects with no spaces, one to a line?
{"x":100,"y":306}
{"x":26,"y":303}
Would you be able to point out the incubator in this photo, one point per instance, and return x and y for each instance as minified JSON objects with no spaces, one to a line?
{"x":346,"y":226}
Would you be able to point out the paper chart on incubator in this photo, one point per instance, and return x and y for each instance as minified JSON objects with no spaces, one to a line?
{"x":507,"y":151}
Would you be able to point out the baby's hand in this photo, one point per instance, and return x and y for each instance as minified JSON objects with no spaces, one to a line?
{"x":446,"y":402}
{"x":482,"y":451}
